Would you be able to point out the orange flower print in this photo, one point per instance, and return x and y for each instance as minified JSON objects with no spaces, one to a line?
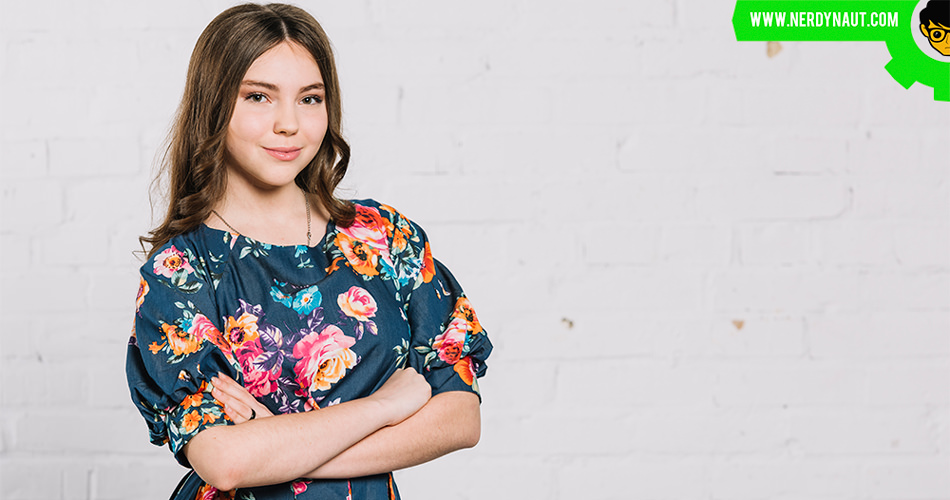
{"x":334,"y":266}
{"x":361,"y":256}
{"x":203,"y":328}
{"x":333,"y":369}
{"x":191,"y":421}
{"x":466,"y":370}
{"x":399,"y":239}
{"x":241,"y":330}
{"x":463,"y":309}
{"x":193,"y":400}
{"x":140,"y":297}
{"x":428,"y":268}
{"x":181,"y":341}
{"x":155,"y":347}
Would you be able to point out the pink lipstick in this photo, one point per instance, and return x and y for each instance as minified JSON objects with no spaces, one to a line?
{"x":284,"y":154}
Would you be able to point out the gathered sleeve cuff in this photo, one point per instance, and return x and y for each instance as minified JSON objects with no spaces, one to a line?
{"x":449,"y":345}
{"x":174,"y":350}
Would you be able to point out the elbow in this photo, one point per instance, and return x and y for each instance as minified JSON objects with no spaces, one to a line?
{"x":473,"y":431}
{"x":472,"y":436}
{"x":204,"y":452}
{"x":468,"y":416}
{"x":220,"y":476}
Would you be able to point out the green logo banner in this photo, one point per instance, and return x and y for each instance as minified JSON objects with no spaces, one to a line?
{"x":890,"y":21}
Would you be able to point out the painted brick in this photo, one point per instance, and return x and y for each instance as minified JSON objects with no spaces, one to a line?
{"x":788,"y":385}
{"x":879,"y":335}
{"x":917,"y":479}
{"x":783,"y":478}
{"x":855,"y":243}
{"x":633,"y":384}
{"x":633,"y":477}
{"x":884,"y":433}
{"x":775,"y":244}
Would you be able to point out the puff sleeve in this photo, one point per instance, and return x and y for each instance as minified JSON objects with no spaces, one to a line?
{"x":175,"y":349}
{"x":449,"y":345}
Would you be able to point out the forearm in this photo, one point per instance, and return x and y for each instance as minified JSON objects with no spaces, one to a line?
{"x":281,"y":448}
{"x":448,"y":422}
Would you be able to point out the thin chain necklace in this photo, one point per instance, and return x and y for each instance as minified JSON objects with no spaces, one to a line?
{"x":306,"y":202}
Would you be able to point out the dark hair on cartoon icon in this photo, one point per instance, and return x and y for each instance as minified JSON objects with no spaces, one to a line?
{"x":937,"y":11}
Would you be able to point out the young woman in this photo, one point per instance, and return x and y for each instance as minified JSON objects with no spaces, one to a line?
{"x":289,"y":344}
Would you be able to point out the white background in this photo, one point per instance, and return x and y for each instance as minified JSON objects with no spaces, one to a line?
{"x":708,"y":274}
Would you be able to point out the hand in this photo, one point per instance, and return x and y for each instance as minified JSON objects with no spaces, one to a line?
{"x":238,"y":403}
{"x":403,"y":394}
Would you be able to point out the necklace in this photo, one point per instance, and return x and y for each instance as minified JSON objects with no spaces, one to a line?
{"x":306,"y":202}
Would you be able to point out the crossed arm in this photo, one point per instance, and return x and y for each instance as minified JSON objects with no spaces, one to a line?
{"x":398,"y":426}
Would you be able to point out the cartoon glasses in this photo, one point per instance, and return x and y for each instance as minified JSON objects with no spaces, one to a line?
{"x":936,"y":34}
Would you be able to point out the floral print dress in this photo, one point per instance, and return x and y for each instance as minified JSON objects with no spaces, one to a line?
{"x":301,"y":327}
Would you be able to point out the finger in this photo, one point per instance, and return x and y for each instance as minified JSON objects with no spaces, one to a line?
{"x":229,"y":392}
{"x":238,"y":413}
{"x":223,"y":396}
{"x":228,"y":386}
{"x":225,"y":382}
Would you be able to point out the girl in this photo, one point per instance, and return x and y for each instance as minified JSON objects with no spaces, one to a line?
{"x":289,"y":344}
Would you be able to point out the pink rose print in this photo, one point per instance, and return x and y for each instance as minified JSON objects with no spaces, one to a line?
{"x":299,"y":486}
{"x":367,"y":227}
{"x":170,"y":261}
{"x":324,"y":358}
{"x":257,"y":381}
{"x":357,"y":303}
{"x":451,"y":342}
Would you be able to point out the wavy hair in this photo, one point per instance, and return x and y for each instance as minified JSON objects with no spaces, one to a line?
{"x":194,"y":160}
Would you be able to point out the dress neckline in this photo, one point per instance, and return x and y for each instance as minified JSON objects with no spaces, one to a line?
{"x":329,"y":227}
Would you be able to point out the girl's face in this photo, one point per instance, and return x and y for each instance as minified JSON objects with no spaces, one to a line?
{"x":279,"y":119}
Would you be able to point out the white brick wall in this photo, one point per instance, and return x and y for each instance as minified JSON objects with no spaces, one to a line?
{"x":708,"y":274}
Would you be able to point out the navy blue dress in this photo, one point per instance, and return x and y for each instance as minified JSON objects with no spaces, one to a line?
{"x":300,"y":327}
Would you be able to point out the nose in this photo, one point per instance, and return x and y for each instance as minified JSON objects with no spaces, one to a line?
{"x":285,"y":119}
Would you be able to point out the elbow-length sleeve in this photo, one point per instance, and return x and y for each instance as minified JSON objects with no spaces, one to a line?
{"x":175,"y":349}
{"x":449,"y":346}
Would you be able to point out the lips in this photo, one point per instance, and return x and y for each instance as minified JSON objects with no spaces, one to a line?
{"x":283,"y":154}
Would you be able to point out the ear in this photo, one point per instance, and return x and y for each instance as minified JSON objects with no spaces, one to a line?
{"x":923,"y":29}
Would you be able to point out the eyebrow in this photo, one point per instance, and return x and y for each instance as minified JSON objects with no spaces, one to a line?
{"x":274,"y":88}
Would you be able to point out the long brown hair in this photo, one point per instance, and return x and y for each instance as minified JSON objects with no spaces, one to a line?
{"x":195,"y":158}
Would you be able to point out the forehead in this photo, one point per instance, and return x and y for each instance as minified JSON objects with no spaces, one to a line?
{"x":286,"y":62}
{"x":937,"y":25}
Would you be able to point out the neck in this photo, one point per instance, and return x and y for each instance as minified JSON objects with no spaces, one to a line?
{"x":278,"y":216}
{"x":257,"y":204}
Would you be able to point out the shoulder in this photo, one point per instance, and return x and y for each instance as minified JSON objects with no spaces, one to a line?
{"x":190,"y":260}
{"x":383,"y":242}
{"x":399,"y":231}
{"x":370,"y":211}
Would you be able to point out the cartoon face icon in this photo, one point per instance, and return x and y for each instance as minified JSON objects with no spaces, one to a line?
{"x":935,"y":23}
{"x":937,"y":33}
